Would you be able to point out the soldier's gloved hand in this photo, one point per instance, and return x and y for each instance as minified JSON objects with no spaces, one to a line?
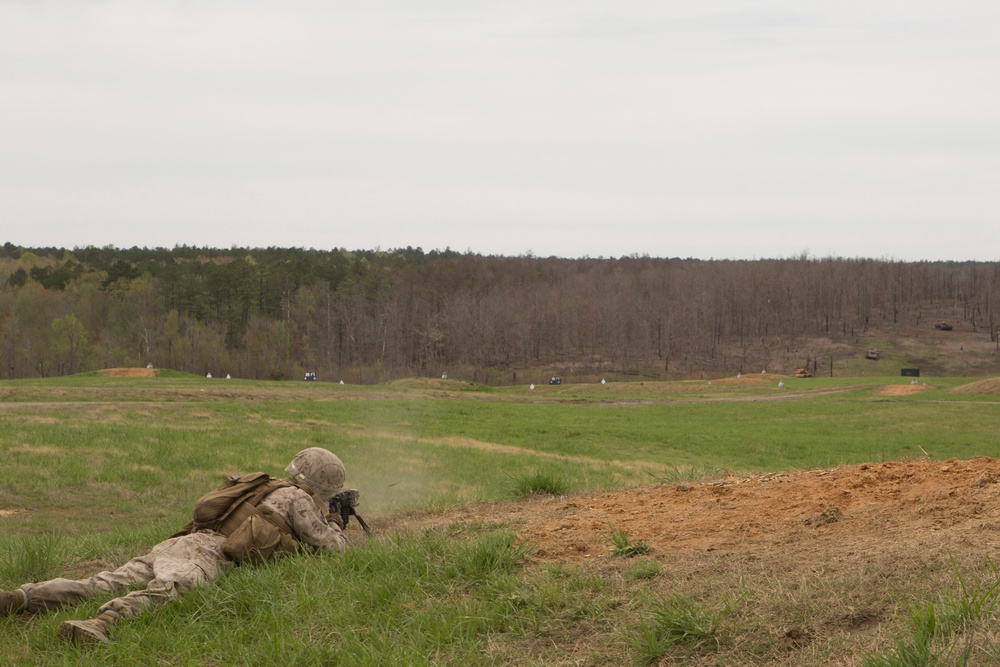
{"x":335,"y":519}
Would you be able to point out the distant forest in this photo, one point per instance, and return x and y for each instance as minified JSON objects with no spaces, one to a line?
{"x":368,"y":316}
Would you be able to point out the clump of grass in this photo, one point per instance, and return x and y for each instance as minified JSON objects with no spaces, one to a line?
{"x":490,"y":555}
{"x":676,"y":622}
{"x":929,"y":642}
{"x":644,"y":569}
{"x":623,"y":546}
{"x":920,"y":649}
{"x":676,"y":473}
{"x":539,"y":482}
{"x":975,"y":602}
{"x":32,"y":558}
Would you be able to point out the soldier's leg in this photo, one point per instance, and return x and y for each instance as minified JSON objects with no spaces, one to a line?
{"x":172,"y":566}
{"x":178,"y":565}
{"x":56,"y":592}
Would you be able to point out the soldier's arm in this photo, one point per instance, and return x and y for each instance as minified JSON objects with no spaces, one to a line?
{"x":312,"y":528}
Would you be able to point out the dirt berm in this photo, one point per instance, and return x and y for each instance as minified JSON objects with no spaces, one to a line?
{"x":808,"y":515}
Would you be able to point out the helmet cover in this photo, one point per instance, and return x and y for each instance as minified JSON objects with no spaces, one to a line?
{"x":318,"y":469}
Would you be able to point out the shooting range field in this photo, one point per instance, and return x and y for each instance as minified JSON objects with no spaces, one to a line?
{"x":754,"y":520}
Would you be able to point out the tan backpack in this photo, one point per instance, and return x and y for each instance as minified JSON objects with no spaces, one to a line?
{"x":252,"y":533}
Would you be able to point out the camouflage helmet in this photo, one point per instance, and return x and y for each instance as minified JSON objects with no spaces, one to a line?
{"x":318,"y":469}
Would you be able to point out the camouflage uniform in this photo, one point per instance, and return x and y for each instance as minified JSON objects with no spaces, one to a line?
{"x":179,"y":564}
{"x":193,"y":557}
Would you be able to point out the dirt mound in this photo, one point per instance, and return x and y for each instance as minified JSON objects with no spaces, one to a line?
{"x":900,"y":389}
{"x":795,"y":518}
{"x":128,"y":372}
{"x":987,"y":386}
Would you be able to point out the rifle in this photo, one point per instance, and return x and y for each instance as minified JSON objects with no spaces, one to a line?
{"x":343,"y":505}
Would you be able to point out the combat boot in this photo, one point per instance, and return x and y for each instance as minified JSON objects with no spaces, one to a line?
{"x":91,"y":631}
{"x":12,"y":602}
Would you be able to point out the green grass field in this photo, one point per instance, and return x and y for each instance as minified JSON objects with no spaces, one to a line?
{"x":98,"y":469}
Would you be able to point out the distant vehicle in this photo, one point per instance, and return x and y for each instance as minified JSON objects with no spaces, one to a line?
{"x":555,"y":380}
{"x":872,"y":354}
{"x":310,"y":376}
{"x":943,"y":326}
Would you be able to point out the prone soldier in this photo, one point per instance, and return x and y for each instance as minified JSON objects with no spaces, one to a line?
{"x":249,"y":518}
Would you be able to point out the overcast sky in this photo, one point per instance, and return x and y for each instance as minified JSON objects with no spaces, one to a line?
{"x":574,"y":128}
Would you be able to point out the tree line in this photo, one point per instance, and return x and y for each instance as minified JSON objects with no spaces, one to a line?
{"x":374,"y":315}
